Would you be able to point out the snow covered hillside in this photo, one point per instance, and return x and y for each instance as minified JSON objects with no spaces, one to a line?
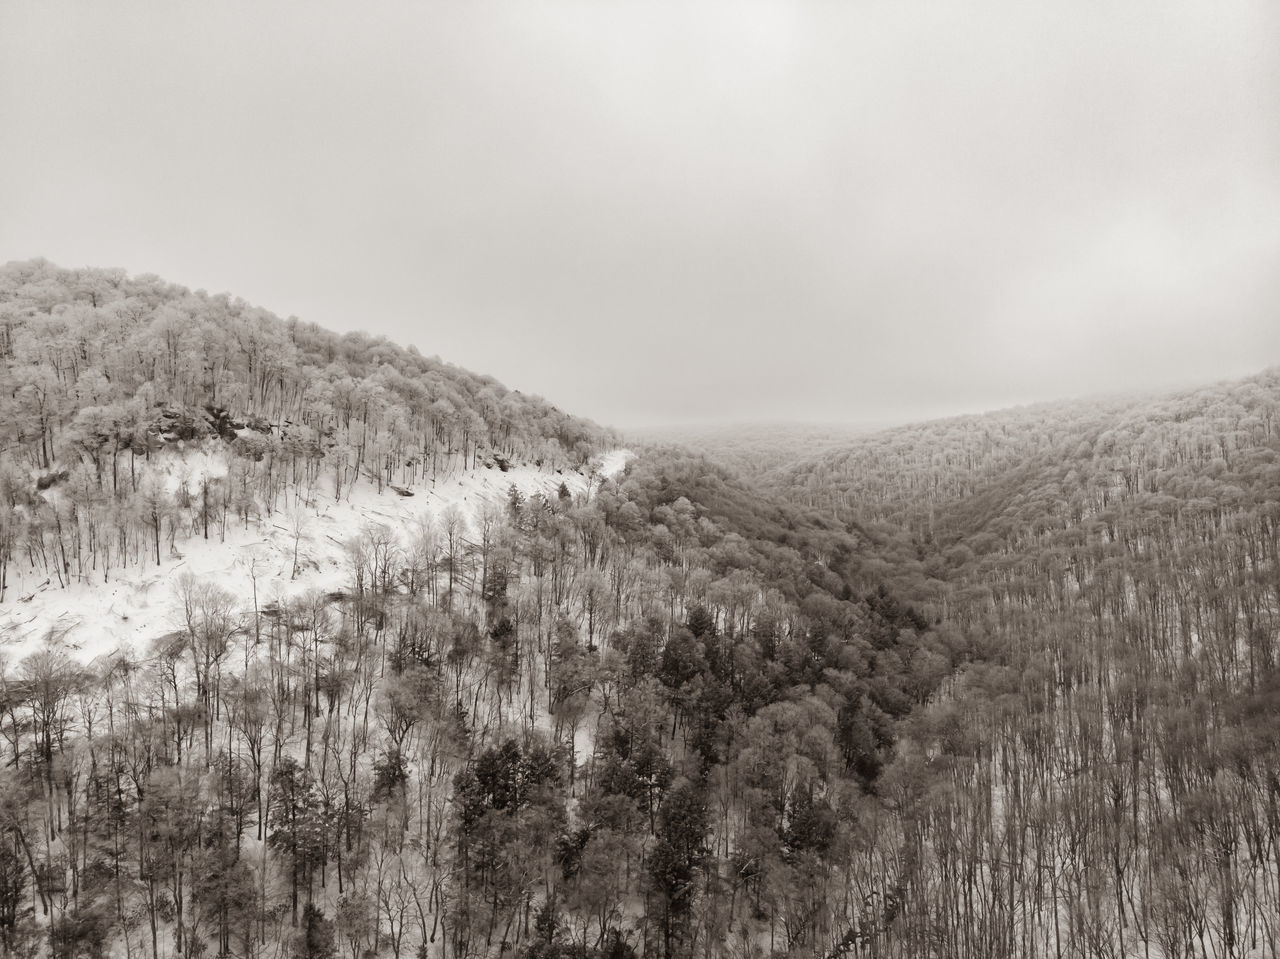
{"x":288,"y":552}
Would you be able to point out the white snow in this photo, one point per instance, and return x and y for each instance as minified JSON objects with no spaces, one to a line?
{"x":613,"y":462}
{"x":138,"y":604}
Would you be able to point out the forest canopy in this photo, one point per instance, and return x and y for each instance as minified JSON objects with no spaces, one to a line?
{"x":98,"y":362}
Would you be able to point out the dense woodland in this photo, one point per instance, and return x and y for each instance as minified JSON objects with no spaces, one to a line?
{"x":990,"y":687}
{"x":648,"y":720}
{"x":1103,"y":778}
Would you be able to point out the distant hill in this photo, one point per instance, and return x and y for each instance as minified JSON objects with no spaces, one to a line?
{"x":754,"y":449}
{"x":101,"y":362}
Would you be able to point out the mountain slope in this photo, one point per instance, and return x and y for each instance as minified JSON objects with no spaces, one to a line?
{"x":305,"y":546}
{"x":255,"y":697}
{"x":1100,"y":779}
{"x":105,"y":372}
{"x":100,"y":363}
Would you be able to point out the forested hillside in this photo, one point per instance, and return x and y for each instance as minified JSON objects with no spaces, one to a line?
{"x":405,"y":664}
{"x":102,"y":367}
{"x":1104,"y":778}
{"x":601,"y":714}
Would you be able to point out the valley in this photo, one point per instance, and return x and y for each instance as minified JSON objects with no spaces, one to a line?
{"x":314,"y":646}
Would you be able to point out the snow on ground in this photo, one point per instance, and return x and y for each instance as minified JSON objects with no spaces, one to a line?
{"x":138,"y":604}
{"x":613,"y":462}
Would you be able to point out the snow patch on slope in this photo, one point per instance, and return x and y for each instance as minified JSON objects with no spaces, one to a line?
{"x":131,"y":607}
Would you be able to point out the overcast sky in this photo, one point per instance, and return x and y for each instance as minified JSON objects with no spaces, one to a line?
{"x":655,"y":213}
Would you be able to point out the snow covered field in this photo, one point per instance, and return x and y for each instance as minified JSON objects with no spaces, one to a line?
{"x":138,"y":604}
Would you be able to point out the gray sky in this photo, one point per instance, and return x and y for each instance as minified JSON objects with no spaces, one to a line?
{"x":654,"y":212}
